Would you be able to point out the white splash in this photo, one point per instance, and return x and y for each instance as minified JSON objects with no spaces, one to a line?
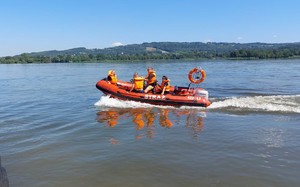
{"x":106,"y":101}
{"x":277,"y":103}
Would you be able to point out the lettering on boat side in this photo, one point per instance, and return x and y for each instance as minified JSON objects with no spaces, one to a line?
{"x":194,"y":98}
{"x":162,"y":97}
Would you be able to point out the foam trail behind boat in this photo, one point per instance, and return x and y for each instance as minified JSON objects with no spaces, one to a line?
{"x":276,"y":103}
{"x":106,"y":101}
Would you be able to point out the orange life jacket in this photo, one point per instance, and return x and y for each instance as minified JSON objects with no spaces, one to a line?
{"x":151,"y":77}
{"x":138,"y":83}
{"x":166,"y":83}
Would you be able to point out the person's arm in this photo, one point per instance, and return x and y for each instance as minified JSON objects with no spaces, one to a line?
{"x":132,"y":87}
{"x":146,"y":78}
{"x":163,"y":91}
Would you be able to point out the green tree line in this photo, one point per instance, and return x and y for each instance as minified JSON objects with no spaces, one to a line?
{"x":236,"y":54}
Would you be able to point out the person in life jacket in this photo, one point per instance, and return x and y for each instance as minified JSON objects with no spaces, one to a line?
{"x":151,"y":79}
{"x":165,"y":85}
{"x":138,"y":83}
{"x":112,"y":77}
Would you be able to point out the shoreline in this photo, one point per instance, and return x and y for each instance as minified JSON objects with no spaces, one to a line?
{"x":146,"y":60}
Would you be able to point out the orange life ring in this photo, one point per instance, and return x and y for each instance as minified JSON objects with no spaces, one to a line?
{"x":194,"y":75}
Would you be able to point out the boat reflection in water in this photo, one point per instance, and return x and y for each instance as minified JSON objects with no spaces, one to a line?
{"x":146,"y":120}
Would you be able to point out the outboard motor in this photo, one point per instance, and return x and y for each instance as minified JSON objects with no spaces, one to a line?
{"x":201,"y":93}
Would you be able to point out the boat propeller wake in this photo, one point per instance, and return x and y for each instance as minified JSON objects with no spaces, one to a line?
{"x":272,"y":103}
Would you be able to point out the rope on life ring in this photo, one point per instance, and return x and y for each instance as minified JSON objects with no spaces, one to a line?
{"x":197,"y":75}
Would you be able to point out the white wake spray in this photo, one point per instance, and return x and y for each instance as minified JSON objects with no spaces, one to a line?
{"x":277,"y":103}
{"x":106,"y":101}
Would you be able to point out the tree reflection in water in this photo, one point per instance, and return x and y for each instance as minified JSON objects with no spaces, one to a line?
{"x":144,"y":118}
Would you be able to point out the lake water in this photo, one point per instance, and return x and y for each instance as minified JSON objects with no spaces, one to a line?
{"x":57,"y":129}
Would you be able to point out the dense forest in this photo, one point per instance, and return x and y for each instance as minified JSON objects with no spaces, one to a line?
{"x":162,"y":50}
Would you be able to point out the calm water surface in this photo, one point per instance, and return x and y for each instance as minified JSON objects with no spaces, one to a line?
{"x":57,"y":129}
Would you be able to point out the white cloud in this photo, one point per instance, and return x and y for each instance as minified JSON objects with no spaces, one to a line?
{"x":239,"y":38}
{"x":275,"y":36}
{"x":115,"y":44}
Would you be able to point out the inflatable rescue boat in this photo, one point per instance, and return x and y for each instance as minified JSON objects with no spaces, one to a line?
{"x":192,"y":95}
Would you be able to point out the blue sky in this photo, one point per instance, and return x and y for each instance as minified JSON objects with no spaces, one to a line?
{"x":39,"y":25}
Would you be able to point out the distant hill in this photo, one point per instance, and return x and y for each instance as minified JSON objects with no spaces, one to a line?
{"x":52,"y":53}
{"x":170,"y":47}
{"x":163,"y":50}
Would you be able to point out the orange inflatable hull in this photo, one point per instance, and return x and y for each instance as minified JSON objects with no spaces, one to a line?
{"x":178,"y":96}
